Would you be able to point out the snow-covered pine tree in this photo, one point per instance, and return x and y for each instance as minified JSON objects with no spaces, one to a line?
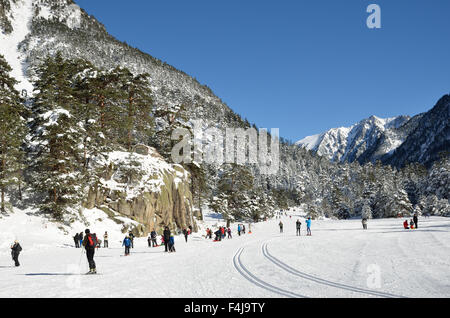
{"x":234,"y":186}
{"x":87,"y":111}
{"x":107,"y":95}
{"x":57,"y":138}
{"x":167,"y":119}
{"x":137,"y":124}
{"x":12,"y":131}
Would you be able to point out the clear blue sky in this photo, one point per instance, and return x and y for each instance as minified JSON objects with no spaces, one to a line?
{"x":303,"y":66}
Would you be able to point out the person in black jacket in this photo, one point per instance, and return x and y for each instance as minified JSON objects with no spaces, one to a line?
{"x":76,"y":239}
{"x":186,"y":234}
{"x":298,"y":226}
{"x":416,"y":220}
{"x":15,"y":251}
{"x":153,"y":236}
{"x":149,"y":241}
{"x":89,"y":243}
{"x":166,"y":235}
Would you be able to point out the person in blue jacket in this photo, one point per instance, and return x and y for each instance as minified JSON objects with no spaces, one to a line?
{"x":172,"y":244}
{"x":239,"y":229}
{"x":127,"y":244}
{"x":308,"y":226}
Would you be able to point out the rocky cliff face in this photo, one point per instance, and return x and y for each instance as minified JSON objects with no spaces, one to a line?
{"x":145,"y":188}
{"x":428,"y":141}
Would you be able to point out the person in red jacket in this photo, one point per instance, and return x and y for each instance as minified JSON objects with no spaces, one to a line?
{"x":405,"y":225}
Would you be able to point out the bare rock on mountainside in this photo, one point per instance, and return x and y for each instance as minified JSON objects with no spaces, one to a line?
{"x":146,"y":189}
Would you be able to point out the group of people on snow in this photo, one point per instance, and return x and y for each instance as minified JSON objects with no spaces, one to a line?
{"x":221,"y":233}
{"x":413,"y":223}
{"x":224,"y":232}
{"x":90,"y":241}
{"x":79,"y":238}
{"x":241,"y":229}
{"x":298,"y":226}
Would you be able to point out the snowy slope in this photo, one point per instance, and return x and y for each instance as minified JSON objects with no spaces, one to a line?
{"x":20,"y":18}
{"x":339,"y":260}
{"x":367,"y":140}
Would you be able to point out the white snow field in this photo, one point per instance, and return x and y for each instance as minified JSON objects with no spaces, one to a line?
{"x":339,"y":260}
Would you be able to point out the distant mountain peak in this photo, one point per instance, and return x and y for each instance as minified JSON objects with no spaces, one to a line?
{"x":368,"y":140}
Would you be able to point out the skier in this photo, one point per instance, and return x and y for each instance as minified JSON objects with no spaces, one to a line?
{"x":222,"y":232}
{"x":105,"y":240}
{"x":186,"y":234}
{"x":149,"y":241}
{"x":243,"y":229}
{"x":15,"y":251}
{"x":153,"y":236}
{"x":172,"y":244}
{"x":416,"y":220}
{"x":239,"y":229}
{"x":218,"y":236}
{"x":411,"y":224}
{"x":80,"y":236}
{"x":166,"y":236}
{"x":131,"y":236}
{"x":127,"y":244}
{"x":299,"y":225}
{"x":229,"y":233}
{"x":308,"y":226}
{"x":76,"y":239}
{"x":281,"y":227}
{"x":364,"y":223}
{"x":89,"y":243}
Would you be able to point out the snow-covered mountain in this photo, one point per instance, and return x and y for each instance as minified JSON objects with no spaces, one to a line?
{"x":428,"y":141}
{"x":33,"y":29}
{"x":397,"y":141}
{"x":365,"y":141}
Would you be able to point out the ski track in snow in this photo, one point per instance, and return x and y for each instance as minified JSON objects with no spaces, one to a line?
{"x":239,"y":266}
{"x":319,"y":280}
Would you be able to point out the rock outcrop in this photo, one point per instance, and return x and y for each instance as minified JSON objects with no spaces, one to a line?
{"x":146,"y":189}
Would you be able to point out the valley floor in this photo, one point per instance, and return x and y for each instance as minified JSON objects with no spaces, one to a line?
{"x":339,"y":260}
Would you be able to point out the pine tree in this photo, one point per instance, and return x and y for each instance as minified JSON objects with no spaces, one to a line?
{"x":168,"y":119}
{"x":12,"y":131}
{"x":234,"y":186}
{"x":87,"y":111}
{"x":137,"y":120}
{"x":57,"y":137}
{"x":108,"y":97}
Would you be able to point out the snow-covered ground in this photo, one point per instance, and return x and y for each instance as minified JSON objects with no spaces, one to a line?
{"x":21,"y":14}
{"x":339,"y":260}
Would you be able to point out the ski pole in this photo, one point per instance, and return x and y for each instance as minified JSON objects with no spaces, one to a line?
{"x":79,"y":263}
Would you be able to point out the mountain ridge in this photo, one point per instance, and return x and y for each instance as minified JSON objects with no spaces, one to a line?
{"x":366,"y":141}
